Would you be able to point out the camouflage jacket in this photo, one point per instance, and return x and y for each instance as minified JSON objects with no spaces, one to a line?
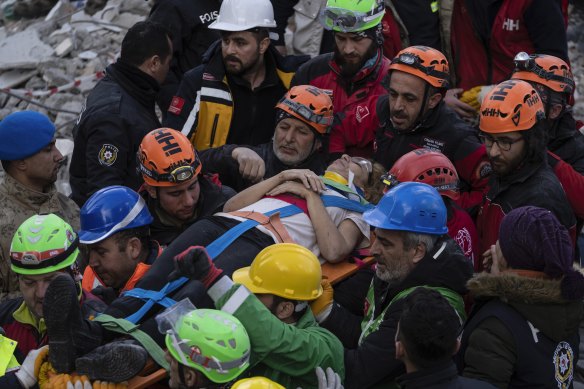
{"x":18,"y":203}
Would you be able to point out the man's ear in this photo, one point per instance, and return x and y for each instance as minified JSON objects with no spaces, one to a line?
{"x":190,"y":377}
{"x":151,"y":190}
{"x":555,"y":111}
{"x":134,"y":248}
{"x":419,"y":253}
{"x":400,"y":350}
{"x":263,"y":45}
{"x":20,"y":164}
{"x":434,"y":100}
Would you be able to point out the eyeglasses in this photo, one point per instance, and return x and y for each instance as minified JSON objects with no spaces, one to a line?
{"x":347,"y":20}
{"x":366,"y":165}
{"x":503,"y":143}
{"x":414,"y":61}
{"x":526,"y":62}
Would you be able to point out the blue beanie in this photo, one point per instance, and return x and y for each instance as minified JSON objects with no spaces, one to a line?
{"x":23,"y":134}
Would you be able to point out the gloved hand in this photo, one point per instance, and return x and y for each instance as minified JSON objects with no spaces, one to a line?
{"x":475,"y":96}
{"x":106,"y":294}
{"x":28,"y":373}
{"x":66,"y":381}
{"x":109,"y":385}
{"x":195,"y":264}
{"x":322,"y":306}
{"x":330,"y":380}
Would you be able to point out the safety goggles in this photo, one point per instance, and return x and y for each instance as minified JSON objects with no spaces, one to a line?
{"x":366,"y":165}
{"x":177,"y":175}
{"x":414,"y":61}
{"x":526,"y":62}
{"x":42,"y":259}
{"x":306,"y":113}
{"x":389,"y":181}
{"x":347,"y":20}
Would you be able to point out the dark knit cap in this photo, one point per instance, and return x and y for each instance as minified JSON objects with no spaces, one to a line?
{"x":532,"y":238}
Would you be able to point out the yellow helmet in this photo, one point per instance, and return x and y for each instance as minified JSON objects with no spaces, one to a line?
{"x":256,"y":383}
{"x":287,"y":270}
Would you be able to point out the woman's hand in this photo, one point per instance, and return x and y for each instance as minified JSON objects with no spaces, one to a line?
{"x":307,"y":177}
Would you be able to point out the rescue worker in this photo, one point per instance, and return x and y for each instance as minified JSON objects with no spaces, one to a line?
{"x":488,"y":35}
{"x":304,"y":117}
{"x":524,"y":332}
{"x":414,"y":116}
{"x":433,"y":168}
{"x":43,"y":247}
{"x":188,"y":23}
{"x":411,"y":249}
{"x":271,"y":299}
{"x":115,"y":237}
{"x":229,"y":99}
{"x":428,"y":335}
{"x":31,"y":162}
{"x":355,"y":73}
{"x":222,"y":344}
{"x":118,"y":112}
{"x":552,"y":79}
{"x":512,"y":124}
{"x":175,"y":191}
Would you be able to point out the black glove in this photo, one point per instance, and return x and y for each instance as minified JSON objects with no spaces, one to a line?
{"x":105,"y":294}
{"x":195,"y":264}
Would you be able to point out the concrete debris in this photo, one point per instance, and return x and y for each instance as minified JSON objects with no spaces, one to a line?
{"x":23,"y":50}
{"x":64,"y":48}
{"x":15,"y":77}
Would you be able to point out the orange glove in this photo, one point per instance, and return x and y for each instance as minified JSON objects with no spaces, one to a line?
{"x":322,"y":306}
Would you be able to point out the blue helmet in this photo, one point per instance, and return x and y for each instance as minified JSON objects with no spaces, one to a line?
{"x":110,"y":210}
{"x":410,"y":206}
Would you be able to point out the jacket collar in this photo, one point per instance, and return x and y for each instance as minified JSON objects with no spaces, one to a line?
{"x":27,"y":196}
{"x":24,"y":315}
{"x":428,"y":377}
{"x":369,"y":69}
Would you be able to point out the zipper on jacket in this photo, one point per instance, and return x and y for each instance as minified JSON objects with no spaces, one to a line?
{"x":213,"y":130}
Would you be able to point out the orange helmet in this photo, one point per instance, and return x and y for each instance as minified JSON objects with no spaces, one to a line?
{"x":547,"y":70}
{"x":513,"y":105}
{"x":425,"y":62}
{"x":427,"y":166}
{"x":167,"y":158}
{"x":311,"y":105}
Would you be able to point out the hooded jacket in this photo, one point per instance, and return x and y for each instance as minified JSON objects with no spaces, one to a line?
{"x":521,"y":333}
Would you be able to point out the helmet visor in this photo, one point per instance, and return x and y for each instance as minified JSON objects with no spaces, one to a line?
{"x":345,"y":20}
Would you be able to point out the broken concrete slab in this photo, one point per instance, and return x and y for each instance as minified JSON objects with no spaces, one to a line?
{"x":23,"y":50}
{"x":15,"y":77}
{"x":64,"y":48}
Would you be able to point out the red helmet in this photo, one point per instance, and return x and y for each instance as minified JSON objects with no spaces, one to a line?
{"x":427,"y":166}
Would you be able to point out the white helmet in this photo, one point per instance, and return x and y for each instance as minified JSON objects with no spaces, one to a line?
{"x":241,"y":15}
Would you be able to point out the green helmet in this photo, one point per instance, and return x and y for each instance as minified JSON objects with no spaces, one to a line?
{"x":352,"y":15}
{"x":43,"y":244}
{"x":211,"y":341}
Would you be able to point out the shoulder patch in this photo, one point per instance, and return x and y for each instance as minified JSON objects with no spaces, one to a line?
{"x":107,"y":155}
{"x":176,"y":105}
{"x":209,"y":77}
{"x":564,"y":365}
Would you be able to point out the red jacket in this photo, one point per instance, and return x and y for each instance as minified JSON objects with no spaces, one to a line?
{"x":484,"y":48}
{"x":462,"y":229}
{"x":354,"y":101}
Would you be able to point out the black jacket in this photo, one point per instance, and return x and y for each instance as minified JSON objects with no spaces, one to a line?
{"x":118,"y":112}
{"x":373,"y":361}
{"x":188,"y":22}
{"x":441,"y":131}
{"x":219,"y":160}
{"x":440,"y":377}
{"x":567,"y":142}
{"x":212,"y":198}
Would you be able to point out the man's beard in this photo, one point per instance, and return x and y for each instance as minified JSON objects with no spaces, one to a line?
{"x":350,"y":69}
{"x":242,"y":69}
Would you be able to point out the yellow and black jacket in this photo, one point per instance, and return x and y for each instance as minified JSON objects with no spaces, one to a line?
{"x":213,"y":108}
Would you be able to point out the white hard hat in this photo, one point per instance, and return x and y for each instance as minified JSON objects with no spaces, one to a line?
{"x":241,"y":15}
